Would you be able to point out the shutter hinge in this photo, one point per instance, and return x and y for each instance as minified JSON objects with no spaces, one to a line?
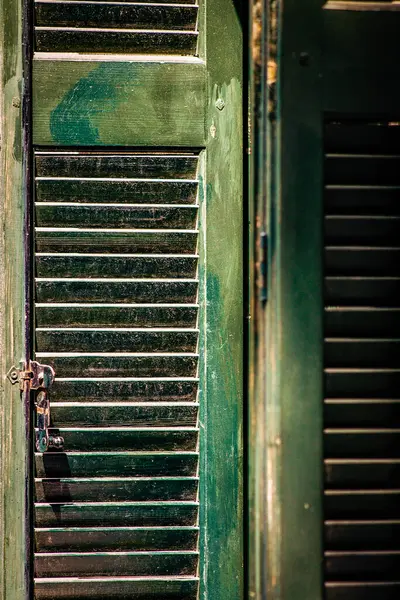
{"x":263,"y":267}
{"x":40,"y":378}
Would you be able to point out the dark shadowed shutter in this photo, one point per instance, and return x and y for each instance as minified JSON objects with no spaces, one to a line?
{"x":362,"y":359}
{"x":361,"y":143}
{"x":326,"y":457}
{"x":137,"y":188}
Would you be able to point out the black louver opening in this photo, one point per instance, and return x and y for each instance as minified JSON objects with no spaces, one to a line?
{"x":362,"y":361}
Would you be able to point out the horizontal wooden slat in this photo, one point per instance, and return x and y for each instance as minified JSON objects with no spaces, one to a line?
{"x":125,"y":241}
{"x":115,"y":564}
{"x":366,"y":566}
{"x":115,"y":14}
{"x":123,"y":41}
{"x":105,"y":464}
{"x":365,"y":473}
{"x":103,"y":414}
{"x":128,"y":439}
{"x":357,"y":534}
{"x":145,"y":390}
{"x":362,"y":321}
{"x":362,"y":137}
{"x":122,"y":290}
{"x":101,"y":365}
{"x":116,"y":340}
{"x":113,"y":538}
{"x":107,"y":315}
{"x":361,"y":504}
{"x":362,"y":291}
{"x":365,"y":230}
{"x":123,"y":588}
{"x":362,"y":591}
{"x":103,"y":191}
{"x":153,"y":103}
{"x":362,"y":261}
{"x":362,"y":200}
{"x":114,"y":489}
{"x":362,"y":353}
{"x":362,"y":383}
{"x":362,"y":443}
{"x":362,"y":169}
{"x":116,"y":514}
{"x":165,"y":167}
{"x":115,"y":216}
{"x":361,"y":5}
{"x":362,"y":413}
{"x":143,"y":1}
{"x":97,"y":266}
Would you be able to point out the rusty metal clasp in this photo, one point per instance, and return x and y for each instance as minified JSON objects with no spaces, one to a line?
{"x":39,"y":378}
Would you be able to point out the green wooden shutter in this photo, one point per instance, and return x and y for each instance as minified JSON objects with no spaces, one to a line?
{"x":137,"y":276}
{"x":326,"y":480}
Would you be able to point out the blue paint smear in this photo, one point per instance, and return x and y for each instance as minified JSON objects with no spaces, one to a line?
{"x":71,"y":122}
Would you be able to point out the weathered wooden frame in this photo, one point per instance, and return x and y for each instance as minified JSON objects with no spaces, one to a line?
{"x":222,"y":537}
{"x":286,"y":343}
{"x":14,"y":322}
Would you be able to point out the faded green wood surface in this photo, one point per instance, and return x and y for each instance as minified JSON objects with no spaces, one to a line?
{"x":294,"y":369}
{"x":221,"y":296}
{"x":12,"y":424}
{"x":118,"y":103}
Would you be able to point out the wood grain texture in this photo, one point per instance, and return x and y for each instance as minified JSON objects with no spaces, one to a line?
{"x":13,"y":451}
{"x":115,"y":489}
{"x":107,"y":414}
{"x":221,"y":297}
{"x":124,"y":438}
{"x":106,"y":315}
{"x":116,"y":514}
{"x":117,"y":564}
{"x":115,"y":538}
{"x":131,"y":164}
{"x":123,"y":365}
{"x":108,"y":464}
{"x":126,"y":588}
{"x":111,"y":266}
{"x":71,"y":39}
{"x":118,"y":103}
{"x":114,"y":14}
{"x":292,"y":438}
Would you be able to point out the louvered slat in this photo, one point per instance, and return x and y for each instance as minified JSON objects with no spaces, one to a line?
{"x":114,"y":26}
{"x":116,"y":316}
{"x":362,"y":361}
